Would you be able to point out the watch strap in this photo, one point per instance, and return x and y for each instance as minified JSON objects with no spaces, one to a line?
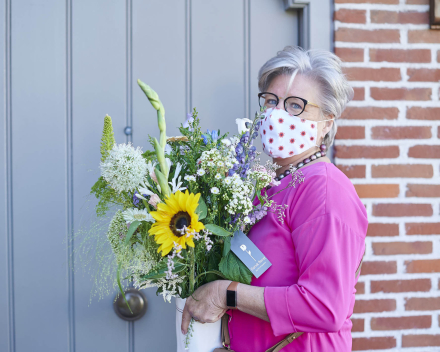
{"x":231,"y":295}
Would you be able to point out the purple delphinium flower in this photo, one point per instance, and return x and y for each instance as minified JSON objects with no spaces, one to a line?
{"x":189,"y":119}
{"x":136,"y":200}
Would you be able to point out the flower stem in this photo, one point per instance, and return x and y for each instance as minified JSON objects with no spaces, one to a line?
{"x":191,"y":269}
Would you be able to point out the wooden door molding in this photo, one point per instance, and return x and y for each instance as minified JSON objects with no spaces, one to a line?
{"x":311,"y":36}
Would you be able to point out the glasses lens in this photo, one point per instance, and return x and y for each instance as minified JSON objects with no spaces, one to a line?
{"x":294,"y":106}
{"x":268,"y":100}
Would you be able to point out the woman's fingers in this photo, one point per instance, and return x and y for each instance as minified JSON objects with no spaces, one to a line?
{"x":186,"y":318}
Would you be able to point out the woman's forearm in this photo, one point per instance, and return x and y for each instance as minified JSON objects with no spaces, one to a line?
{"x":250,"y":299}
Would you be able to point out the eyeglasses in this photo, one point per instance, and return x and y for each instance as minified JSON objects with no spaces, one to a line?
{"x":293,"y":105}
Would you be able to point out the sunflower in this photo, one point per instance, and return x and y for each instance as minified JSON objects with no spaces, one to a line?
{"x":178,"y":211}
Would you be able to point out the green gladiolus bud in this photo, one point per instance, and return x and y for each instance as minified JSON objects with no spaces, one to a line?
{"x":163,"y":183}
{"x":108,"y":138}
{"x":161,"y":158}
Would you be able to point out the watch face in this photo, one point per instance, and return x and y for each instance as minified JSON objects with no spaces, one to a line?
{"x":231,"y":298}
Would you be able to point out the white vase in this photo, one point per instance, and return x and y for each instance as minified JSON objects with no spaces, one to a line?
{"x":205,"y":337}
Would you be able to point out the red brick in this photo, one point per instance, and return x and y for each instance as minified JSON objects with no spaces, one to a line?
{"x":370,"y":113}
{"x":400,"y":55}
{"x":418,"y":113}
{"x":359,"y":93}
{"x":353,"y":171}
{"x":423,"y":266}
{"x":422,"y":228}
{"x":355,"y":35}
{"x":402,"y":132}
{"x":368,"y":152}
{"x":423,"y":36}
{"x":422,"y":303}
{"x":377,"y":190}
{"x":417,"y":2}
{"x":358,"y":325}
{"x":424,"y":151}
{"x":402,"y":170}
{"x":372,"y":74}
{"x":438,"y":56}
{"x":350,"y":132}
{"x":394,"y":286}
{"x":420,"y":340}
{"x":350,"y":16}
{"x":377,"y":267}
{"x":396,"y":209}
{"x":360,"y":288}
{"x":403,"y":209}
{"x":350,"y":54}
{"x":391,"y":248}
{"x":379,"y":229}
{"x":401,"y":323}
{"x":420,"y":190}
{"x":414,"y":17}
{"x":400,"y":93}
{"x":423,"y":75}
{"x":373,"y":343}
{"x":374,"y":305}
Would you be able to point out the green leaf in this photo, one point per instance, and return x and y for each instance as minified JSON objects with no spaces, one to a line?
{"x":118,"y":277}
{"x":133,"y":227}
{"x":234,"y":269}
{"x":162,"y":268}
{"x":202,"y":209}
{"x":226,"y":246}
{"x":217,"y":230}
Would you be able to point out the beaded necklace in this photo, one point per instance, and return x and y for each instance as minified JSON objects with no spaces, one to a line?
{"x":307,"y":160}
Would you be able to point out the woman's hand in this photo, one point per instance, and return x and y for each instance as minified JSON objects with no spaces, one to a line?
{"x":208,"y":306}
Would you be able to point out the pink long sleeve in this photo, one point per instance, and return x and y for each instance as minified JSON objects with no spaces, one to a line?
{"x":314,"y":253}
{"x":320,"y":301}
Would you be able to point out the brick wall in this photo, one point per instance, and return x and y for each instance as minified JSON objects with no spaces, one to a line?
{"x":388,"y":143}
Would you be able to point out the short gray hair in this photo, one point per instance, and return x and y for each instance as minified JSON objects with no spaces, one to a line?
{"x":323,"y":67}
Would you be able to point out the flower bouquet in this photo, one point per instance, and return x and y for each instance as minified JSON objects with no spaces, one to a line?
{"x":181,"y":205}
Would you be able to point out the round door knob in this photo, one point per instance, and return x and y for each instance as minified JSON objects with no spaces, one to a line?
{"x":128,"y":130}
{"x":138,"y":304}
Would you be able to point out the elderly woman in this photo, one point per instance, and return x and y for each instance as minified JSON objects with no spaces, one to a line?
{"x":316,"y":251}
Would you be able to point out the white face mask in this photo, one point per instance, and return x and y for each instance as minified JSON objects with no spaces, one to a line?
{"x":284,"y":135}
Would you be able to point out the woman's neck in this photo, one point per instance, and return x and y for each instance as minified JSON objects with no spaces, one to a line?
{"x":285,"y":163}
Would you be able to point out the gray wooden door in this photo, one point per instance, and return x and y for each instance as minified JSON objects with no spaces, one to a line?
{"x":64,"y":65}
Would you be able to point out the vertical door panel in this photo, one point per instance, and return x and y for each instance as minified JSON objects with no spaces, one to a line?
{"x":4,"y":286}
{"x":217,"y":63}
{"x":38,"y":168}
{"x":271,"y":29}
{"x":159,"y":61}
{"x":98,"y":76}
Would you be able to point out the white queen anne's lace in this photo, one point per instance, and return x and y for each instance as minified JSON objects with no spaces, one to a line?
{"x":124,"y":168}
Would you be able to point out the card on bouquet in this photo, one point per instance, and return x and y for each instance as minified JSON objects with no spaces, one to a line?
{"x":249,"y":254}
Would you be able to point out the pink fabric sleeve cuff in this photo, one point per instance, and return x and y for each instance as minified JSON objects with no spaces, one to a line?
{"x":275,"y":300}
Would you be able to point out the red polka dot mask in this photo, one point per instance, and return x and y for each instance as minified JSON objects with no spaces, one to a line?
{"x":284,"y":135}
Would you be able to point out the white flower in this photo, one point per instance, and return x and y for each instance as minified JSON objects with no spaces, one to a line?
{"x":228,"y":180}
{"x":220,"y":163}
{"x":211,"y":163}
{"x":176,"y":183}
{"x":124,"y":168}
{"x":168,"y":149}
{"x":241,"y":123}
{"x":215,"y":190}
{"x":247,"y":220}
{"x":200,"y":172}
{"x":189,"y":178}
{"x":134,"y":214}
{"x":226,"y":142}
{"x":218,"y":176}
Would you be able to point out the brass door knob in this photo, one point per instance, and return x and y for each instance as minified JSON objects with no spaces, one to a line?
{"x":138,"y":304}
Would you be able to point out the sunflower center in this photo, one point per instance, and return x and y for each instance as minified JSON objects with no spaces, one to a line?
{"x":178,"y":221}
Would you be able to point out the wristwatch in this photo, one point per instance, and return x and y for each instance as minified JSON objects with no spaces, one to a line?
{"x":231,"y":295}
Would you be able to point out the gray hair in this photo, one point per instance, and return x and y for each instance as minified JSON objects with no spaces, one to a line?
{"x":321,"y":66}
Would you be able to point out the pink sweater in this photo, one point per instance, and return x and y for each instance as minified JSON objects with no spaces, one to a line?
{"x":314,"y":256}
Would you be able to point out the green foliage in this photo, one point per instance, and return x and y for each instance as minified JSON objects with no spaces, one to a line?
{"x":202,"y":210}
{"x":160,"y":270}
{"x":106,"y":195}
{"x":234,"y":269}
{"x":108,"y":138}
{"x":217,"y":230}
